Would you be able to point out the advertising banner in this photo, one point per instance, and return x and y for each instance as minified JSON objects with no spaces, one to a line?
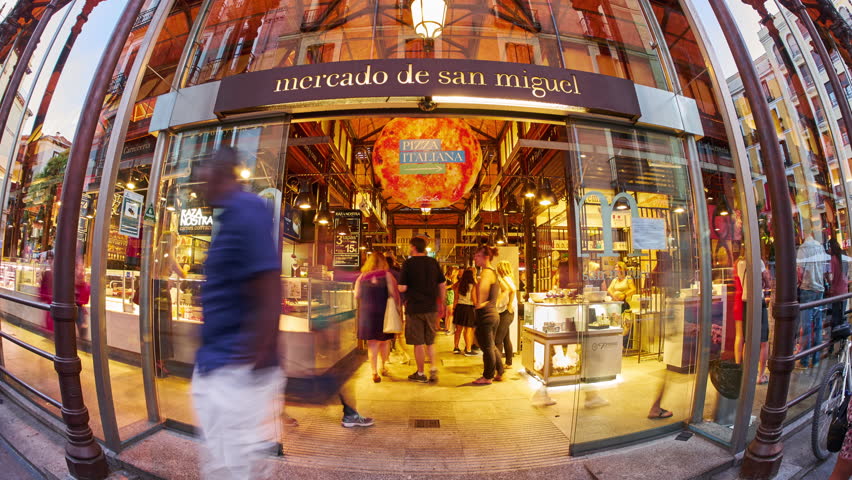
{"x":131,"y":214}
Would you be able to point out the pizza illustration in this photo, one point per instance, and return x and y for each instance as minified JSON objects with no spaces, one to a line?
{"x":427,"y":162}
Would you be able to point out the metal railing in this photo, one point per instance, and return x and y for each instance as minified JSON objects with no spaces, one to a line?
{"x":818,"y":348}
{"x":31,"y":348}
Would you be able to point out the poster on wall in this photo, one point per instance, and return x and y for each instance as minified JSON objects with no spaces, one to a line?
{"x":649,"y":234}
{"x":347,"y":251}
{"x":131,"y":214}
{"x":427,"y":162}
{"x":292,"y":219}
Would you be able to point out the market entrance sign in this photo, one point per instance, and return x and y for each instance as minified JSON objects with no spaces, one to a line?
{"x":497,"y":81}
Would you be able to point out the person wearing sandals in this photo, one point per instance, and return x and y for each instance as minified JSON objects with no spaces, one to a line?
{"x":507,"y":305}
{"x":485,"y":301}
{"x":373,"y":287}
{"x":464,"y":315}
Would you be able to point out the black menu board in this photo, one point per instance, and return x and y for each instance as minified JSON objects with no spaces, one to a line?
{"x":347,"y":247}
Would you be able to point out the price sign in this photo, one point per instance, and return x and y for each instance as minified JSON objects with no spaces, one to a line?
{"x":347,"y":247}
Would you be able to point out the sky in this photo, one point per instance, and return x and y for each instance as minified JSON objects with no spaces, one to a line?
{"x":748,"y":23}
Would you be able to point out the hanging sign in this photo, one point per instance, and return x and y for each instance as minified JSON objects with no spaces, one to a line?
{"x":347,"y":251}
{"x":131,"y":214}
{"x":150,"y":217}
{"x":83,"y":223}
{"x":427,"y":162}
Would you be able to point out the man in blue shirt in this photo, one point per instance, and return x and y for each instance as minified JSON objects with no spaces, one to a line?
{"x":237,"y":378}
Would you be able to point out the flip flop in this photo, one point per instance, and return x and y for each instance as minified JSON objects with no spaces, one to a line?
{"x":763,"y":380}
{"x":663,"y":414}
{"x":481,"y":381}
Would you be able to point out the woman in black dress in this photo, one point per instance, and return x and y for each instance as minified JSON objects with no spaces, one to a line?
{"x":372,"y":289}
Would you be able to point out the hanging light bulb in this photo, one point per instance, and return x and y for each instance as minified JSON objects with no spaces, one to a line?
{"x":529,"y":190}
{"x":130,"y":185}
{"x":546,"y":197}
{"x":428,"y":17}
{"x":245,"y":173}
{"x":303,"y":199}
{"x":679,"y":210}
{"x":622,"y":206}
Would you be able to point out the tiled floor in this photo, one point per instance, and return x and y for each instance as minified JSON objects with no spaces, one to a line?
{"x":492,"y":427}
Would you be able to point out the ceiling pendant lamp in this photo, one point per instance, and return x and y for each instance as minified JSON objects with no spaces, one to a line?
{"x":546,"y":197}
{"x":501,"y":238}
{"x":529,"y":189}
{"x":323,"y":216}
{"x":303,"y":199}
{"x":428,"y":17}
{"x":512,"y":205}
{"x":342,"y":228}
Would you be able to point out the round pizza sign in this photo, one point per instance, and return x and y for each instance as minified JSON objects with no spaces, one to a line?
{"x":427,"y":162}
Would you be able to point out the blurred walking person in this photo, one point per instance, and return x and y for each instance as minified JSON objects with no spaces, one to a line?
{"x":507,"y":305}
{"x":424,"y":286}
{"x":485,"y":300}
{"x":237,"y":377}
{"x":464,"y":315}
{"x":373,"y":288}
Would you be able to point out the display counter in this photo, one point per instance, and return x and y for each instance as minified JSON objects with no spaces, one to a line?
{"x":317,"y":322}
{"x":571,"y":342}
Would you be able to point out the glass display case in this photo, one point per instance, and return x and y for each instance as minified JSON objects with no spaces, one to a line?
{"x":22,"y":276}
{"x":318,"y":325}
{"x":570,"y":342}
{"x":319,"y":302}
{"x":120,"y":290}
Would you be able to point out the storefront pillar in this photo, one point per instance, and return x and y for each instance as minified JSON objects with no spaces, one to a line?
{"x":83,"y":455}
{"x":150,"y":251}
{"x":20,"y":69}
{"x":763,"y":456}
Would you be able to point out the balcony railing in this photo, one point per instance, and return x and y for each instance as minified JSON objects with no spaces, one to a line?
{"x":144,"y":18}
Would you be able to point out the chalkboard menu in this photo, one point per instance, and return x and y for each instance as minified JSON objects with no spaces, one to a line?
{"x":346,"y":247}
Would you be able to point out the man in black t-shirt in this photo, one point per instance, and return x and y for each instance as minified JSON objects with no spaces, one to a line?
{"x":424,"y":286}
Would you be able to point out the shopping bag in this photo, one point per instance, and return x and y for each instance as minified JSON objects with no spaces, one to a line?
{"x":393,"y":320}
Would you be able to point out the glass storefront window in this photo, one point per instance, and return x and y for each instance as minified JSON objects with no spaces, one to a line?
{"x":186,"y":225}
{"x":611,"y":38}
{"x":641,"y":323}
{"x":34,"y":191}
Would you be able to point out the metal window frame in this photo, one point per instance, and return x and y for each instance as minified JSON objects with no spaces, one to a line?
{"x":100,"y":235}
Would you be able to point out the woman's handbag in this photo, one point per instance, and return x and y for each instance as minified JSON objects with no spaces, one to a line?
{"x":393,"y":319}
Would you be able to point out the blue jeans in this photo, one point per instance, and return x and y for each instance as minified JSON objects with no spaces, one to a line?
{"x":811,"y":322}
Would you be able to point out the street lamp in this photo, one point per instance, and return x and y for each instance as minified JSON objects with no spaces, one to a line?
{"x":428,"y":17}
